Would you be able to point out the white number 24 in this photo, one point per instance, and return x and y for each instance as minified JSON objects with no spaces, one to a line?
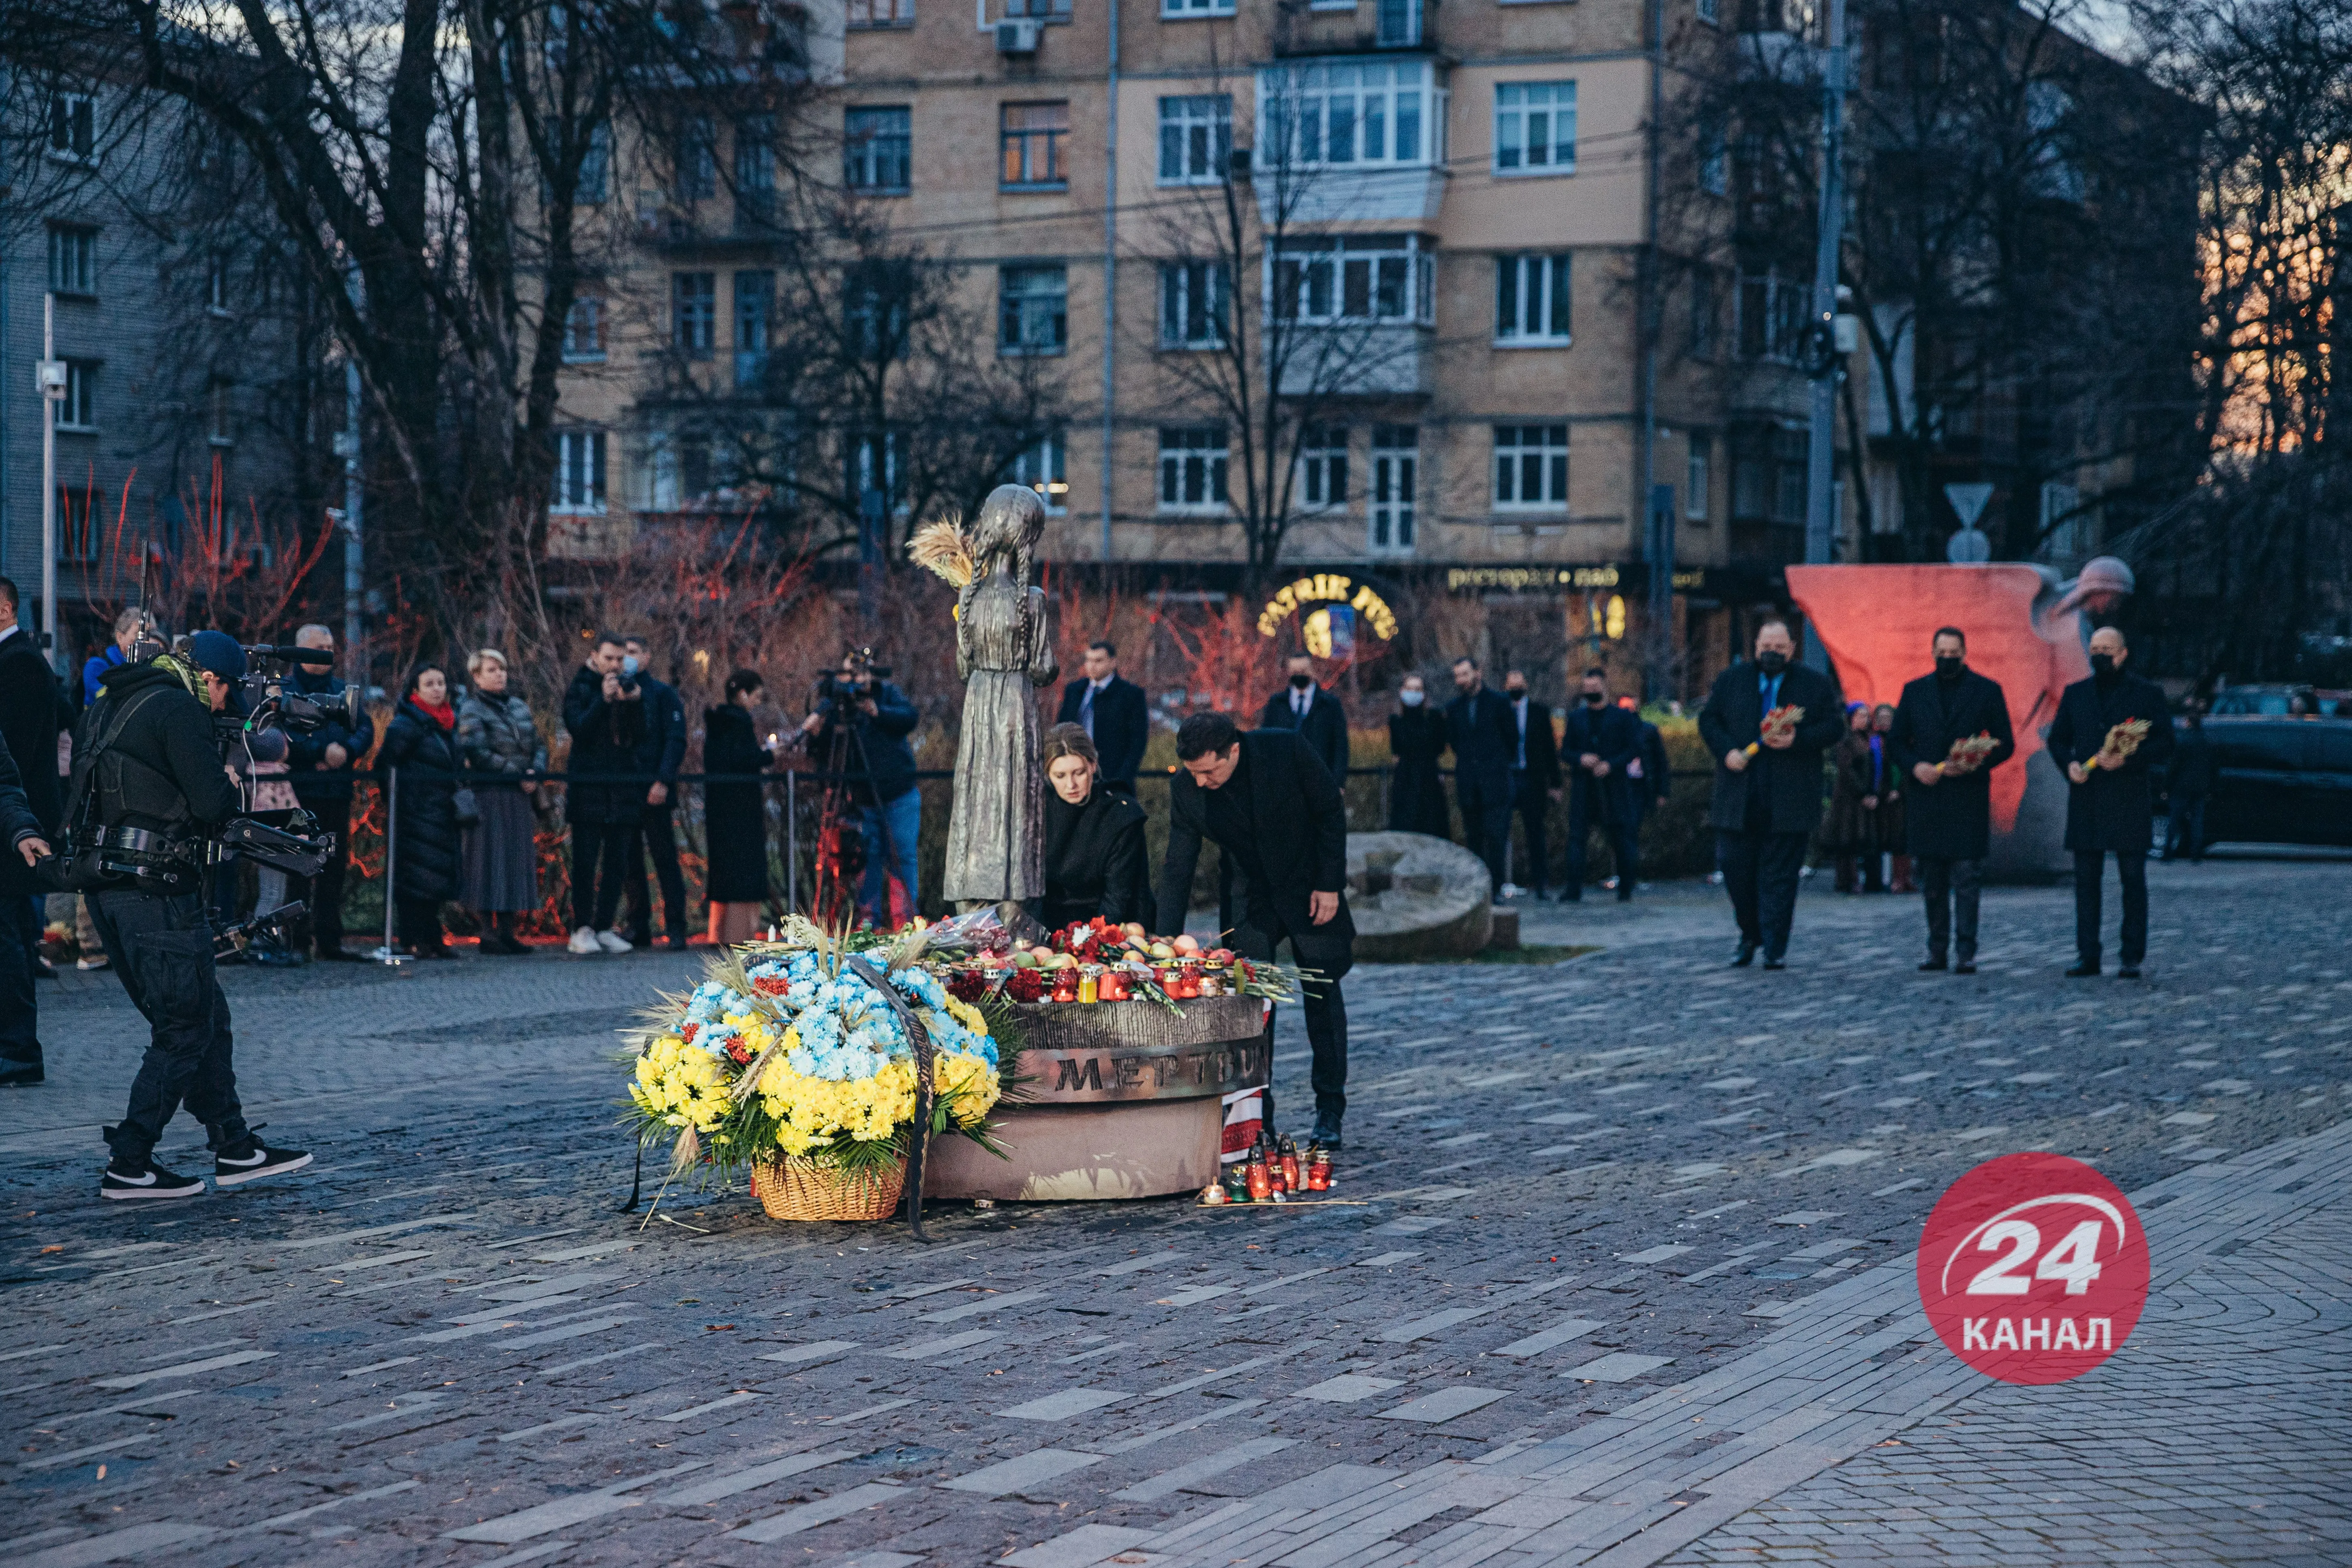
{"x":2073,"y":1260}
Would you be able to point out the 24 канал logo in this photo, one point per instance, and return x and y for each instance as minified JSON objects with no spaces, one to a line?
{"x":2033,"y":1268}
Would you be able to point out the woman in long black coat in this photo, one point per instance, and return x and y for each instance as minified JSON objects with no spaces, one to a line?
{"x":1417,"y":738}
{"x":1094,"y":839}
{"x":735,"y":816}
{"x":420,"y":753}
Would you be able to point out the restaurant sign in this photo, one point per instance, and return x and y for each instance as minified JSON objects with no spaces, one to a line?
{"x":1335,"y":591}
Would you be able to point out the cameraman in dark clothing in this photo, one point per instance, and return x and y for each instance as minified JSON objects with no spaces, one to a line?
{"x":605,"y":714}
{"x":860,"y":726}
{"x":333,"y":748}
{"x":148,"y":774}
{"x":20,"y":1049}
{"x":663,"y":752}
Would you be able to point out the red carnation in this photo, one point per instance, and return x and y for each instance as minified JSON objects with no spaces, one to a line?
{"x":967,"y":986}
{"x":772,"y":985}
{"x":1025,"y":985}
{"x":736,"y":1048}
{"x":688,"y":1032}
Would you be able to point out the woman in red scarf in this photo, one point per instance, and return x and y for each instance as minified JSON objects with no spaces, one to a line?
{"x":420,"y":753}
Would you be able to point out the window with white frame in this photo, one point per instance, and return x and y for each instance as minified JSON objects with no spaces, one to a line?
{"x":217,"y":283}
{"x":880,"y":14}
{"x":583,"y":329}
{"x":1396,"y":24}
{"x":73,"y":126}
{"x":1714,"y":158}
{"x":1322,"y":467}
{"x":1705,"y":312}
{"x":220,"y":422}
{"x":1349,"y":114}
{"x":1534,"y":128}
{"x":755,"y":315}
{"x":2065,"y":527}
{"x":694,"y":312}
{"x":1034,"y":146}
{"x":595,"y":183}
{"x":1698,"y":476}
{"x":1772,"y":316}
{"x":1196,"y":138}
{"x":755,"y":171}
{"x":1044,"y":10}
{"x":1531,"y":299}
{"x":579,"y":486}
{"x":1355,"y":277}
{"x":1192,"y":467}
{"x":1184,"y":10}
{"x":877,"y":149}
{"x":873,"y":466}
{"x":697,"y":158}
{"x":1530,"y":467}
{"x":1710,"y":12}
{"x":79,"y":409}
{"x":1193,"y":298}
{"x":1044,"y":466}
{"x":73,"y":260}
{"x":1033,"y":310}
{"x":1396,"y":460}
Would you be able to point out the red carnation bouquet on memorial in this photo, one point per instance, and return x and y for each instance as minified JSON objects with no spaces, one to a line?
{"x":1782,"y":721}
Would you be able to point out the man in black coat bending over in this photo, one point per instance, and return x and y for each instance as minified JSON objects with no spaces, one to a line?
{"x":1111,"y":709}
{"x":1768,"y":789}
{"x":1276,"y":812}
{"x":2110,"y":805}
{"x":1947,"y":823}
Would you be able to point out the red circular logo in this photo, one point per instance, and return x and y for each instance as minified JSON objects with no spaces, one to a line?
{"x":2033,"y":1268}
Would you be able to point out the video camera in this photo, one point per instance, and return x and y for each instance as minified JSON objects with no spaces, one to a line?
{"x":831,"y":688}
{"x":270,"y":705}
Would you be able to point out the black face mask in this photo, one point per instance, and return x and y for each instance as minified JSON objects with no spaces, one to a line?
{"x":1948,"y":665}
{"x":2102,"y":667}
{"x":1515,"y":693}
{"x":1595,"y":699}
{"x":1302,"y":682}
{"x":1772,"y":663}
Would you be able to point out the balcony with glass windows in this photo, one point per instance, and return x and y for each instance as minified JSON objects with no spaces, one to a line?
{"x":1352,"y":315}
{"x":1364,"y":27}
{"x":1349,"y":139}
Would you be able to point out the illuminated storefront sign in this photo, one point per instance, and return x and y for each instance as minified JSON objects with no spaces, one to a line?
{"x":1356,"y":602}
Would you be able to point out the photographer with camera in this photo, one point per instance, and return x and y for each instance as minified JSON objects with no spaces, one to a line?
{"x":858,"y":731}
{"x":150,"y":785}
{"x":255,"y":757}
{"x":604,"y":710}
{"x":341,"y":742}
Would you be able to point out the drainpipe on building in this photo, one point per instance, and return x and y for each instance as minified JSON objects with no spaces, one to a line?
{"x":1820,"y":465}
{"x":1111,"y":283}
{"x":1656,"y":547}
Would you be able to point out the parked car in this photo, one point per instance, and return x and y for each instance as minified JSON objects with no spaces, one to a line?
{"x":2280,"y":780}
{"x":2277,"y":700}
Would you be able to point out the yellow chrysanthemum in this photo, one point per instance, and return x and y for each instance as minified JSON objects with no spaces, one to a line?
{"x":969,"y":1017}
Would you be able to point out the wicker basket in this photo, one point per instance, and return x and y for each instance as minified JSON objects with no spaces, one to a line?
{"x":795,"y":1189}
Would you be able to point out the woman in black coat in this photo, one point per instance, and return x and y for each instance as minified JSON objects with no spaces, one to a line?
{"x":1094,"y":839}
{"x":420,"y":751}
{"x":1417,"y":738}
{"x":735,"y":816}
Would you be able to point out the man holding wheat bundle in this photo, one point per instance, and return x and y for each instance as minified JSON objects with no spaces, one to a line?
{"x":1950,"y":730}
{"x":2110,"y":729}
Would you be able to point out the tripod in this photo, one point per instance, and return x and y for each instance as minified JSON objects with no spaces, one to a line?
{"x":840,"y":855}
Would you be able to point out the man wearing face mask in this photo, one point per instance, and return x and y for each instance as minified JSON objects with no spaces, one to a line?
{"x":2110,"y":806}
{"x":1535,"y":775}
{"x":1767,"y":788}
{"x":1314,"y":712}
{"x":1602,"y":745}
{"x":1947,"y":820}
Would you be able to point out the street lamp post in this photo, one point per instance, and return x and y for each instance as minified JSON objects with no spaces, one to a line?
{"x":1821,"y":489}
{"x":49,"y":380}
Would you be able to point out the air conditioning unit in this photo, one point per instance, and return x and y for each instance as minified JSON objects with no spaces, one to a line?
{"x":1017,"y":37}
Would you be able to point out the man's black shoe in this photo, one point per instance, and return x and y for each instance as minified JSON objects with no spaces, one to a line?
{"x":43,"y":969}
{"x":1745,"y":956}
{"x":249,"y":1159}
{"x":1326,"y":1129}
{"x":1965,"y":966}
{"x":1771,"y":963}
{"x":1932,"y":965}
{"x":677,"y":943}
{"x":2082,"y":971}
{"x":147,"y":1181}
{"x":1625,"y":895}
{"x":2128,"y":971}
{"x":21,"y":1074}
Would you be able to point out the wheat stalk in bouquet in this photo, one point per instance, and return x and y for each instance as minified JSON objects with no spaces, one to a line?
{"x":1968,"y":754}
{"x":939,"y":546}
{"x":2121,"y":742}
{"x":1779,"y":723}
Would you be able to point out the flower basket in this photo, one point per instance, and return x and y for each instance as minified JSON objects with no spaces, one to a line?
{"x":793,"y":1188}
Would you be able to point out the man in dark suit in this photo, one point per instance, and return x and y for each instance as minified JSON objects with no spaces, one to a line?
{"x":662,"y":752}
{"x":1483,"y":738}
{"x":1535,"y":775}
{"x":32,"y":711}
{"x":1767,"y":790}
{"x":2188,"y":781}
{"x":1603,"y":744}
{"x":1314,"y":712}
{"x":333,"y":748}
{"x":1111,"y":709}
{"x":2111,"y":805}
{"x":1948,"y":821}
{"x":1277,"y":814}
{"x":1654,"y":787}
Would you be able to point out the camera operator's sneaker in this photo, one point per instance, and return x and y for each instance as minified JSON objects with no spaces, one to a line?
{"x":149,"y":1180}
{"x":613,"y":941}
{"x":249,"y":1159}
{"x":584,"y":942}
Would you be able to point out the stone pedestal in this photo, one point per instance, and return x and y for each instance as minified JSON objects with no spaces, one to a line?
{"x":1119,"y":1100}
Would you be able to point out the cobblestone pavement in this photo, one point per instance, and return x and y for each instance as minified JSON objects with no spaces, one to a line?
{"x":1629,"y":1283}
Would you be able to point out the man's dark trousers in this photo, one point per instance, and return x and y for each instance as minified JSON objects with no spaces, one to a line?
{"x":1945,"y":883}
{"x":1532,"y":803}
{"x":601,"y":853}
{"x":1589,"y":809}
{"x":162,"y":950}
{"x":2184,"y":830}
{"x":1760,"y":872}
{"x":2131,"y":869}
{"x":1487,"y":824}
{"x":1321,"y":1005}
{"x":322,"y":895}
{"x":20,"y":938}
{"x":661,"y":841}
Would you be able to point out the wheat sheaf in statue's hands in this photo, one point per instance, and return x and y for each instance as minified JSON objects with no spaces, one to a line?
{"x":2121,"y":742}
{"x":1967,"y":754}
{"x":1778,"y":729}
